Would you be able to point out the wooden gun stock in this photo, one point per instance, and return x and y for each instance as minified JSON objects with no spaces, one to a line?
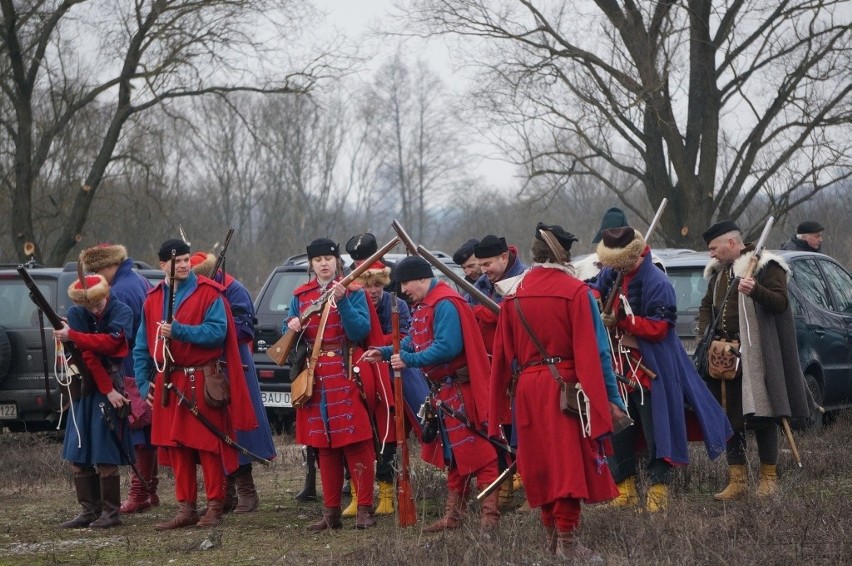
{"x":406,"y":510}
{"x":170,"y":316}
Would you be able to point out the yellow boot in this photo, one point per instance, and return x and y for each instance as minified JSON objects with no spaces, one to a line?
{"x":627,"y":496}
{"x":737,"y":484}
{"x":385,"y":499}
{"x":768,"y":485}
{"x":658,"y":498}
{"x":352,"y":510}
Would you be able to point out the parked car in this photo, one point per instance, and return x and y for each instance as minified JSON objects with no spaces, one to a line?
{"x":821,"y":300}
{"x":29,"y":395}
{"x":272,"y":306}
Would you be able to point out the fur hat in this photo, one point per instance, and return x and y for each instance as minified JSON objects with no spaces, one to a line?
{"x":411,"y":268}
{"x":377,"y":274}
{"x":97,"y":289}
{"x":103,"y":255}
{"x":619,"y":248}
{"x":202,"y":264}
{"x":322,"y":246}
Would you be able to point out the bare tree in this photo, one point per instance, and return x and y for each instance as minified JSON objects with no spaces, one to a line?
{"x":61,"y":59}
{"x":725,"y":107}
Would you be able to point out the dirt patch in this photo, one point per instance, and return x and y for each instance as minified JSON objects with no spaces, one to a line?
{"x":809,"y":522}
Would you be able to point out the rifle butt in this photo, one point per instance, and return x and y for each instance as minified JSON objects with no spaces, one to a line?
{"x":279,"y":351}
{"x":406,"y":509}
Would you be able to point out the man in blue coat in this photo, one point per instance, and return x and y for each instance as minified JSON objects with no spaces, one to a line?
{"x":649,"y":353}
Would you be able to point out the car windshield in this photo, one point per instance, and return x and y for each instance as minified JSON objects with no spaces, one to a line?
{"x":16,"y":308}
{"x":690,"y":286}
{"x":277,"y":298}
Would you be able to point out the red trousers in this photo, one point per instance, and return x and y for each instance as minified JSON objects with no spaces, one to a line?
{"x":361,"y":458}
{"x":562,"y":514}
{"x":183,"y":462}
{"x":460,"y":483}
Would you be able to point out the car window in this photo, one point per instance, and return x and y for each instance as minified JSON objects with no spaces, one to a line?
{"x":796,"y":306}
{"x":689,"y":286}
{"x":808,"y":279}
{"x":840,"y":283}
{"x":277,"y":298}
{"x":16,"y":308}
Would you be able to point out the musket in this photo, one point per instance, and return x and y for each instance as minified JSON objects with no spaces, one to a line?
{"x":74,"y":357}
{"x":610,"y":300}
{"x":421,"y":251}
{"x":406,"y":510}
{"x":170,"y":315}
{"x":192,"y":407}
{"x":220,"y":261}
{"x":107,"y":416}
{"x":440,"y":405}
{"x":279,"y":351}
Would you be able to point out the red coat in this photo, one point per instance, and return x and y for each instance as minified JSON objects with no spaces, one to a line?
{"x":175,"y":425}
{"x":470,"y":452}
{"x":343,"y":419}
{"x":554,"y":459}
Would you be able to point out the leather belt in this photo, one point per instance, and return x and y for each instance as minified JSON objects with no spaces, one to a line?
{"x":548,"y":361}
{"x":330,"y":353}
{"x":205,"y":370}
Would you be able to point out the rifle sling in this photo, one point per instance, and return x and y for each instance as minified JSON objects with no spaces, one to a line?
{"x":546,"y":358}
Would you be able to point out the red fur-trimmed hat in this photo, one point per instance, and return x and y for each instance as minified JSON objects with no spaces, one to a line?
{"x":377,"y":274}
{"x":619,"y":248}
{"x":96,"y":290}
{"x":203,"y":263}
{"x":101,"y":256}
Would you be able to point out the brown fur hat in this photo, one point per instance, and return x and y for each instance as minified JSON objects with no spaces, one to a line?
{"x":103,"y":255}
{"x":620,"y":247}
{"x":202,"y":264}
{"x":97,"y":289}
{"x":378,"y":273}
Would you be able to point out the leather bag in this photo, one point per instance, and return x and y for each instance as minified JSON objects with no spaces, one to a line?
{"x":302,"y":388}
{"x":217,"y":390}
{"x":723,"y":359}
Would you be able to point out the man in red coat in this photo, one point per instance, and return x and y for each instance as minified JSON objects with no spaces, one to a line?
{"x":445,"y":342}
{"x":201,"y":340}
{"x":560,"y":457}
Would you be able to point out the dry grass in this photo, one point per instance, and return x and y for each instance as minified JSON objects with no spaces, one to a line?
{"x":809,"y":522}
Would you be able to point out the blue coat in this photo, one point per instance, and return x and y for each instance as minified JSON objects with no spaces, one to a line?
{"x":651,"y":295}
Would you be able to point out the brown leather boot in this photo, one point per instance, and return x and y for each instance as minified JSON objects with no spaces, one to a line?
{"x":213,"y":516}
{"x":453,"y":511}
{"x":110,"y":502}
{"x":330,"y":520}
{"x":186,"y":517}
{"x":365,"y":518}
{"x":568,"y":546}
{"x":247,"y":494}
{"x":137,"y":496}
{"x":230,"y":502}
{"x":88,"y":496}
{"x":490,"y":513}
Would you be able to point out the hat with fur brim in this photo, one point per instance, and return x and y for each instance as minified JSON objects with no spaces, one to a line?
{"x":620,"y":248}
{"x":202,"y":264}
{"x":377,"y":274}
{"x":96,"y":290}
{"x":101,"y":256}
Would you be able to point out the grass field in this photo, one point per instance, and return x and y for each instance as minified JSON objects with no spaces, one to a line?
{"x":809,"y":522}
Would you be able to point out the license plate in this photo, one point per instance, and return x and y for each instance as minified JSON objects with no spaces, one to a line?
{"x":276,"y":398}
{"x":10,"y":410}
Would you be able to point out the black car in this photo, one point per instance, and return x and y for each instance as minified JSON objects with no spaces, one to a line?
{"x":272,"y":307}
{"x":821,"y":300}
{"x":29,"y":396}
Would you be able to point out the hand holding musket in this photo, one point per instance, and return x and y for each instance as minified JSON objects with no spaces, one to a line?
{"x":407,"y":513}
{"x":167,"y":365}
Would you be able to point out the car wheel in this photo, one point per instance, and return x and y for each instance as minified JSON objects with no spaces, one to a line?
{"x":815,"y":419}
{"x":5,"y":354}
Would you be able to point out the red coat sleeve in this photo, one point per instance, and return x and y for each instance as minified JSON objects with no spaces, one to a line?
{"x":96,"y":368}
{"x":104,"y":344}
{"x":651,"y":330}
